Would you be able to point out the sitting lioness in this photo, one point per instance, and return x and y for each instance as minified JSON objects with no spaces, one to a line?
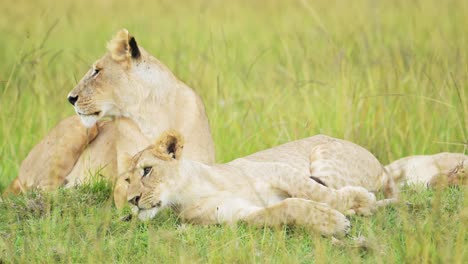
{"x":143,"y":97}
{"x":274,"y":186}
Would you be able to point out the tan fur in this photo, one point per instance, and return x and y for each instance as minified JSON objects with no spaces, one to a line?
{"x":270,"y":187}
{"x":54,"y":157}
{"x":143,"y":97}
{"x":430,"y":169}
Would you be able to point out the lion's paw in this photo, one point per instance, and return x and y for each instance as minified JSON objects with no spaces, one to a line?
{"x":342,"y":225}
{"x":356,"y":200}
{"x":330,"y":222}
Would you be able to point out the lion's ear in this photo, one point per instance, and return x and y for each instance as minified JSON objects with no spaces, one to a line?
{"x":171,"y":143}
{"x":123,"y":46}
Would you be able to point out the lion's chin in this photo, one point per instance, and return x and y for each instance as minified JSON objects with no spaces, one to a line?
{"x":89,"y":120}
{"x":147,"y":214}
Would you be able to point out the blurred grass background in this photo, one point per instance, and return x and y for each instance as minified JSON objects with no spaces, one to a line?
{"x":391,"y":76}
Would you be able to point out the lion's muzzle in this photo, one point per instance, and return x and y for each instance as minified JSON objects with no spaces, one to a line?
{"x":72,"y":99}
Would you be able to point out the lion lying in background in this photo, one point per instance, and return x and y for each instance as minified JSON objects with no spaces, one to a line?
{"x":431,"y":170}
{"x":272,"y":187}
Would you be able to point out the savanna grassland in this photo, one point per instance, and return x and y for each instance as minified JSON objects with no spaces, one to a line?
{"x":391,"y":76}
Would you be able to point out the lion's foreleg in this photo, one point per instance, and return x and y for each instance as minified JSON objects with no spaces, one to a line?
{"x":348,"y":200}
{"x":318,"y":217}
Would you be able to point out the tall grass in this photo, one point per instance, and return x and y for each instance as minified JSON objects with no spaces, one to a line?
{"x":391,"y":76}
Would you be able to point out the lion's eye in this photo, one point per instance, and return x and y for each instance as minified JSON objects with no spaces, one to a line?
{"x":95,"y":72}
{"x":146,"y":171}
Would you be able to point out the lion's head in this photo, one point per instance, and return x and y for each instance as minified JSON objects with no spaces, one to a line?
{"x":152,"y":172}
{"x":116,"y":82}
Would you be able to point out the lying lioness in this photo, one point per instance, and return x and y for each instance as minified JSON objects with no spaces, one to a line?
{"x":274,"y":186}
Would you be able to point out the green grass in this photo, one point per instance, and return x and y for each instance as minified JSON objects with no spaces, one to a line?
{"x":391,"y":76}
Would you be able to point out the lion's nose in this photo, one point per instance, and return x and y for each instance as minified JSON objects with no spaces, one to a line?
{"x":135,"y":200}
{"x":72,"y":99}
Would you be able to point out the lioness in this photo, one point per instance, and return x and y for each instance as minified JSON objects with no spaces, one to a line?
{"x":129,"y":84}
{"x":270,"y":187}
